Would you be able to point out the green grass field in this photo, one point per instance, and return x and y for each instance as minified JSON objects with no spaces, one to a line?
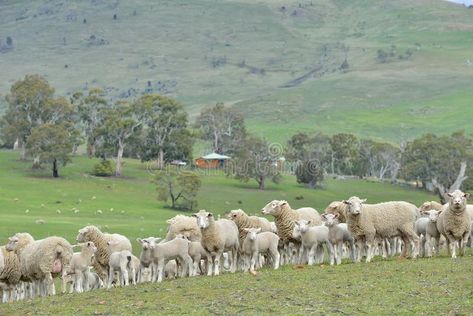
{"x":244,"y":52}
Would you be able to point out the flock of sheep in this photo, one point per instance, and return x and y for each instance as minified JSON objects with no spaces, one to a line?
{"x":348,"y":228}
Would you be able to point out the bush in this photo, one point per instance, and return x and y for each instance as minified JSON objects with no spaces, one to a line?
{"x":103,"y":169}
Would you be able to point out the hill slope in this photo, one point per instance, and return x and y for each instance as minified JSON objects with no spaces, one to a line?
{"x":278,"y":61}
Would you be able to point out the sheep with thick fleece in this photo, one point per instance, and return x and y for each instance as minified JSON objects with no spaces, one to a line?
{"x":338,"y":235}
{"x":185,"y":225}
{"x":218,"y":236}
{"x":430,"y":205}
{"x":432,"y":232}
{"x":80,"y":265}
{"x":243,"y":220}
{"x":10,"y":274}
{"x":102,"y":256}
{"x":256,"y":243}
{"x":312,"y":239}
{"x":337,"y":207}
{"x":169,"y":250}
{"x":454,"y":222}
{"x":367,"y":222}
{"x":42,"y":260}
{"x":285,"y":217}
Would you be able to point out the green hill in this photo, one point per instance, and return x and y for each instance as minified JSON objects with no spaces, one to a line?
{"x":409,"y":62}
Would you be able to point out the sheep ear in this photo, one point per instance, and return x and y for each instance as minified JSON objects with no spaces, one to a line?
{"x":363,"y":201}
{"x":335,"y":215}
{"x":157,"y":238}
{"x":139,"y":240}
{"x":210,"y":215}
{"x":324,"y":216}
{"x":346,"y":202}
{"x":308,"y":222}
{"x":258,"y":230}
{"x":450,"y":194}
{"x":194,"y":215}
{"x":246,"y":229}
{"x":466,"y":195}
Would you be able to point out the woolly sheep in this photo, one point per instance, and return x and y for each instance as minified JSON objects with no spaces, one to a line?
{"x":256,"y":243}
{"x":10,"y":274}
{"x":41,"y":260}
{"x":217,"y":236}
{"x":338,"y":234}
{"x":80,"y":263}
{"x":243,"y":220}
{"x":454,"y":222}
{"x":430,"y":205}
{"x":366,"y":222}
{"x":165,"y":251}
{"x":185,"y":225}
{"x":312,"y":239}
{"x":102,"y":256}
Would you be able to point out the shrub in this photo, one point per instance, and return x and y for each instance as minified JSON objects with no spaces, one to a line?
{"x":103,"y":169}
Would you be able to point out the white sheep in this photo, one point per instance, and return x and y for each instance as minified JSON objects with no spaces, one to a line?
{"x":102,"y":256}
{"x":80,"y":265}
{"x":185,"y":225}
{"x":196,"y":252}
{"x":312,"y":238}
{"x":120,"y":261}
{"x":217,"y":236}
{"x":432,"y":232}
{"x":369,"y":222}
{"x":243,"y":220}
{"x":42,"y":260}
{"x":338,"y":235}
{"x":454,"y":222}
{"x":146,"y":258}
{"x":169,"y":250}
{"x":420,"y":227}
{"x":256,"y":243}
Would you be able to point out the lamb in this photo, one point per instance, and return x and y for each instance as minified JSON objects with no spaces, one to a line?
{"x":312,"y":239}
{"x":146,"y":257}
{"x":91,"y":278}
{"x":196,"y":252}
{"x":102,"y":256}
{"x":420,"y":227}
{"x":217,"y":236}
{"x":42,"y":260}
{"x":10,"y":274}
{"x":454,"y":222}
{"x":366,"y":222}
{"x":119,"y":261}
{"x":256,"y":243}
{"x":80,"y":265}
{"x":165,"y":251}
{"x":185,"y":225}
{"x":431,"y":231}
{"x":338,"y":235}
{"x":243,"y":220}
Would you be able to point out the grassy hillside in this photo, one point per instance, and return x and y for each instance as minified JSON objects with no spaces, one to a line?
{"x":438,"y":286}
{"x":129,"y":204}
{"x":278,"y":61}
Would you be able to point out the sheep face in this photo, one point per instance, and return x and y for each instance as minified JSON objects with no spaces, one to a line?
{"x":252,"y":233}
{"x":148,"y":243}
{"x":354,"y":205}
{"x":91,"y":246}
{"x":425,"y":207}
{"x":12,"y":242}
{"x":274,"y":207}
{"x":457,"y":200}
{"x":82,"y":236}
{"x":235,"y":215}
{"x":203,"y":219}
{"x":330,"y":219}
{"x":300,"y":227}
{"x":433,"y":215}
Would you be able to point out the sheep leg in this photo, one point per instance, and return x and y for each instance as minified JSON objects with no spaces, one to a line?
{"x":254,"y":257}
{"x":311,"y":255}
{"x":209,"y":265}
{"x":110,"y":277}
{"x":234,"y":260}
{"x":276,"y":257}
{"x":451,"y":244}
{"x":218,"y":255}
{"x":463,"y":243}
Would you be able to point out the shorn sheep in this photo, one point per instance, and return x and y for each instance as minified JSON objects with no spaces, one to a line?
{"x":218,"y":236}
{"x":256,"y":243}
{"x":102,"y":256}
{"x":367,"y":222}
{"x":454,"y":222}
{"x":42,"y":260}
{"x":243,"y":220}
{"x":338,"y":235}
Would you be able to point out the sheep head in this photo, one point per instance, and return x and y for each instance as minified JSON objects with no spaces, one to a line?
{"x":252,"y":233}
{"x":275,"y":207}
{"x":204,"y":219}
{"x":355,"y":205}
{"x":18,"y":241}
{"x":457,"y":200}
{"x":330,"y":219}
{"x":433,"y":215}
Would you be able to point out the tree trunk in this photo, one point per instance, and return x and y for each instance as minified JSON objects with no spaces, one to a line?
{"x":22,"y":148}
{"x":36,"y":163}
{"x":91,"y":150}
{"x":442,"y":191}
{"x":119,"y":163}
{"x":55,"y":170}
{"x":161,"y":159}
{"x":16,"y":144}
{"x":260,"y":182}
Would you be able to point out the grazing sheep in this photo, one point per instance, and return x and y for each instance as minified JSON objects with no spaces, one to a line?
{"x":217,"y":236}
{"x":102,"y":256}
{"x":169,"y":250}
{"x":42,"y":260}
{"x":454,"y":222}
{"x":338,"y":235}
{"x":367,"y":222}
{"x":80,"y":265}
{"x":243,"y":220}
{"x":185,"y":225}
{"x":256,"y":243}
{"x":10,"y":274}
{"x":120,"y":261}
{"x":431,"y":231}
{"x":312,"y":238}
